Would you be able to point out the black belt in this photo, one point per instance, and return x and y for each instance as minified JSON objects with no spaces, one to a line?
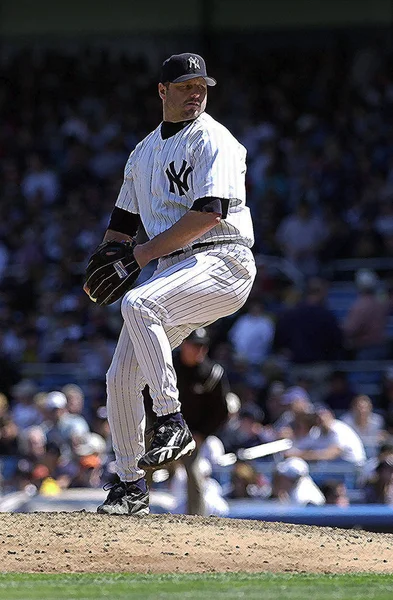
{"x":194,"y":247}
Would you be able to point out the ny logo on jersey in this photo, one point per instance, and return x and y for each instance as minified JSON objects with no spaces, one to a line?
{"x":179,"y":179}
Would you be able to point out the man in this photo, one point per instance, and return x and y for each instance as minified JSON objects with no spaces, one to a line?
{"x":365,"y":326}
{"x":335,"y":493}
{"x":252,"y":334}
{"x":61,"y":427}
{"x":369,"y":425}
{"x":300,"y":235}
{"x":297,"y":403}
{"x":185,"y":182}
{"x":331,"y":439}
{"x":203,"y":388}
{"x":293,"y":485}
{"x":24,"y":411}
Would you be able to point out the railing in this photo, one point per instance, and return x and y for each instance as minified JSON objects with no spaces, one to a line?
{"x":348,"y":266}
{"x":59,"y":374}
{"x":282,"y":265}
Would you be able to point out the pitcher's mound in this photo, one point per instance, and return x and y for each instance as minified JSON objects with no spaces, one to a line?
{"x":85,"y":542}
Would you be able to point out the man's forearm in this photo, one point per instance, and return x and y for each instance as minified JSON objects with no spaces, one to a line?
{"x":189,"y":228}
{"x":327,"y":454}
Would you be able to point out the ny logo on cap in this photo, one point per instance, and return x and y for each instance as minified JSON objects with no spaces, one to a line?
{"x":193,"y":61}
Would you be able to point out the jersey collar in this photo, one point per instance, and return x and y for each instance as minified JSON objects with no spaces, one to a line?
{"x":169,"y":129}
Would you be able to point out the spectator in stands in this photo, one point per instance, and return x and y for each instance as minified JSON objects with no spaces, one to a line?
{"x":252,"y":334}
{"x":75,"y":405}
{"x":4,"y":406}
{"x":367,"y":474}
{"x":335,"y":493}
{"x":296,"y":402}
{"x":330,"y":440}
{"x":380,"y":488}
{"x":61,"y":427}
{"x":32,"y":444}
{"x":75,"y":398}
{"x":366,"y":323}
{"x":368,"y":425}
{"x":39,"y":180}
{"x":309,"y":336}
{"x":293,"y":485}
{"x":88,"y":473}
{"x":246,"y":482}
{"x":273,"y":406}
{"x":302,"y":427}
{"x":40,"y":403}
{"x":24,"y":411}
{"x":339,"y":393}
{"x":300,"y":236}
{"x":62,"y":469}
{"x":89,"y":460}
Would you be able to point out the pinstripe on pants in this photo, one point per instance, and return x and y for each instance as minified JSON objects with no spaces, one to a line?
{"x":185,"y":292}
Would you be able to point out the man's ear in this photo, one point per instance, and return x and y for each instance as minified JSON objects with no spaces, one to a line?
{"x":161,"y":91}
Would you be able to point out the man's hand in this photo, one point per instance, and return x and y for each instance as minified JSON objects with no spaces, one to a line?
{"x":112,"y":271}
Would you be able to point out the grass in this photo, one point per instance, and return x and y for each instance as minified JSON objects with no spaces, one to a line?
{"x":232,"y":586}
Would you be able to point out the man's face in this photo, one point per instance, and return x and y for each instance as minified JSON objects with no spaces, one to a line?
{"x":74,"y":403}
{"x":193,"y":354}
{"x":185,"y":100}
{"x":362,"y":406}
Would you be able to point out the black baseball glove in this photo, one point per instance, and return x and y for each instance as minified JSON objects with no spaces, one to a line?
{"x":112,"y":270}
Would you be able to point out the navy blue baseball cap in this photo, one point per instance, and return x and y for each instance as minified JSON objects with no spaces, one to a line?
{"x":200,"y":337}
{"x":181,"y":67}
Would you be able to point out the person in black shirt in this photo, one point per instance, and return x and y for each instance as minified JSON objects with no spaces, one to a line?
{"x":203,"y":388}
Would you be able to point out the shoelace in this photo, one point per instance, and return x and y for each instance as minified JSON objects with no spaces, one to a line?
{"x":116,"y":490}
{"x":158,"y":437}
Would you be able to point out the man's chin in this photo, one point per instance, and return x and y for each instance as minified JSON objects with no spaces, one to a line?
{"x":192,"y":113}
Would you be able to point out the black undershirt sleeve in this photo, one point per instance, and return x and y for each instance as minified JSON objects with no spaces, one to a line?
{"x":124,"y":222}
{"x":211,"y":204}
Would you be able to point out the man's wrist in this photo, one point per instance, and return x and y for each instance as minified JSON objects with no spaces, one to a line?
{"x":142,"y":255}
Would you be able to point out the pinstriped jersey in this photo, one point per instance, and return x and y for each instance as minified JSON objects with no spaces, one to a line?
{"x":164,"y":177}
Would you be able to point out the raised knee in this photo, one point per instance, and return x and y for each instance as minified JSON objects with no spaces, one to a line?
{"x":131,"y":303}
{"x":135,"y":306}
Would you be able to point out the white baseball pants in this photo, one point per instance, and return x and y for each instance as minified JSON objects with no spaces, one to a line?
{"x":185,"y":292}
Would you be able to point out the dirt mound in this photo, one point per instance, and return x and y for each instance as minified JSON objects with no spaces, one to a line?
{"x":85,"y":542}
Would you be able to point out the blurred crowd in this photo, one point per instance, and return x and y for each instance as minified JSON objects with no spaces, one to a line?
{"x":320,"y":188}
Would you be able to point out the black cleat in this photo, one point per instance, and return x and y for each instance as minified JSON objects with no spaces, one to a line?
{"x":171,"y":440}
{"x":125,"y":498}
